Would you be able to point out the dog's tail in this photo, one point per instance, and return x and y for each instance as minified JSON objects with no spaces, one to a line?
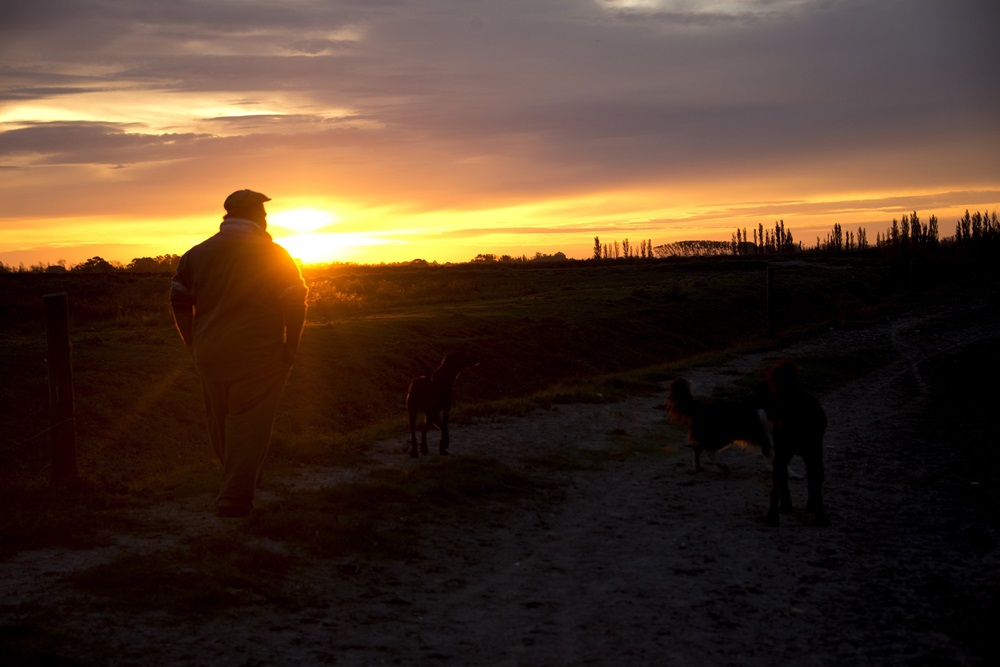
{"x":680,"y":401}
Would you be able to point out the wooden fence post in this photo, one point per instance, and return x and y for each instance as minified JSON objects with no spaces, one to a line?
{"x":61,"y":419}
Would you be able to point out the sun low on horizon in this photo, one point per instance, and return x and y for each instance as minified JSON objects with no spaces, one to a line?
{"x":304,"y":233}
{"x":312,"y":235}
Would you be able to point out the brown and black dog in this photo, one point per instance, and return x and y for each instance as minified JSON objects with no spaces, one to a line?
{"x":714,"y":425}
{"x":798,"y":425}
{"x":431,"y":394}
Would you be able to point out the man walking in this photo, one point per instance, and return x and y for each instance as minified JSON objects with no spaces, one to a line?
{"x":239,"y":304}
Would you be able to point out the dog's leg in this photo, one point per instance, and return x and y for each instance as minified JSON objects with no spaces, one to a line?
{"x":445,"y":441}
{"x":784,"y":450}
{"x":423,"y":433}
{"x":412,"y":420}
{"x":767,"y":445}
{"x":814,"y":474}
{"x":779,"y":486}
{"x":786,"y":494}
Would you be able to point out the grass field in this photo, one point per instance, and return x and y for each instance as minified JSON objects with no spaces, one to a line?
{"x":575,"y":331}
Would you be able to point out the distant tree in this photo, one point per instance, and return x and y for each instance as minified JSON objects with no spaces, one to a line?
{"x":963,"y":229}
{"x":158,"y":264}
{"x":778,"y":240}
{"x":597,"y":247}
{"x":626,"y":249}
{"x":932,"y":231}
{"x":835,"y":239}
{"x":94,"y":265}
{"x":485,"y":258}
{"x":142,"y":265}
{"x":977,"y":227}
{"x":556,"y":257}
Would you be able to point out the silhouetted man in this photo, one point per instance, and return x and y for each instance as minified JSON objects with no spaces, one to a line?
{"x":239,"y":304}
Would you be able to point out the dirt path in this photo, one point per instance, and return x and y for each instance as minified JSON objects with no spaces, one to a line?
{"x":644,"y":562}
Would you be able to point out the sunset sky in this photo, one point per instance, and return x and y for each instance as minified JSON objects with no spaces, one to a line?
{"x":388,"y":130}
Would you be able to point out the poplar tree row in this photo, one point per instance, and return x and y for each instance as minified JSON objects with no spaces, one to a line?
{"x":625,"y":250}
{"x":765,"y":241}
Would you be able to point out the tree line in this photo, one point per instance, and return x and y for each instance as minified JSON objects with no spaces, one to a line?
{"x":623,"y":250}
{"x":765,"y":241}
{"x":907,"y":233}
{"x":489,"y":258}
{"x":158,"y":264}
{"x":910,"y":232}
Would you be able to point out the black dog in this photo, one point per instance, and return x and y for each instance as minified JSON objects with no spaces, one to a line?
{"x":431,"y":394}
{"x":714,"y":425}
{"x":798,"y":423}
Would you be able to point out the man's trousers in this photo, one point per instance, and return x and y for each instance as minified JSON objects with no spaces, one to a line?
{"x":240,"y":414}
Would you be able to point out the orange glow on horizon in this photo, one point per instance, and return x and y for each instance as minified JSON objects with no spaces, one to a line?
{"x":316,"y":230}
{"x":326,"y":248}
{"x":302,"y":219}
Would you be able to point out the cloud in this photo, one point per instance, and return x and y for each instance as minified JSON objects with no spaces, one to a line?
{"x":446,"y":105}
{"x":92,"y":143}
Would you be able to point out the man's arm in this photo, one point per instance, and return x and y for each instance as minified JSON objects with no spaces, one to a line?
{"x":184,"y":322}
{"x":294,"y":310}
{"x":182,"y":306}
